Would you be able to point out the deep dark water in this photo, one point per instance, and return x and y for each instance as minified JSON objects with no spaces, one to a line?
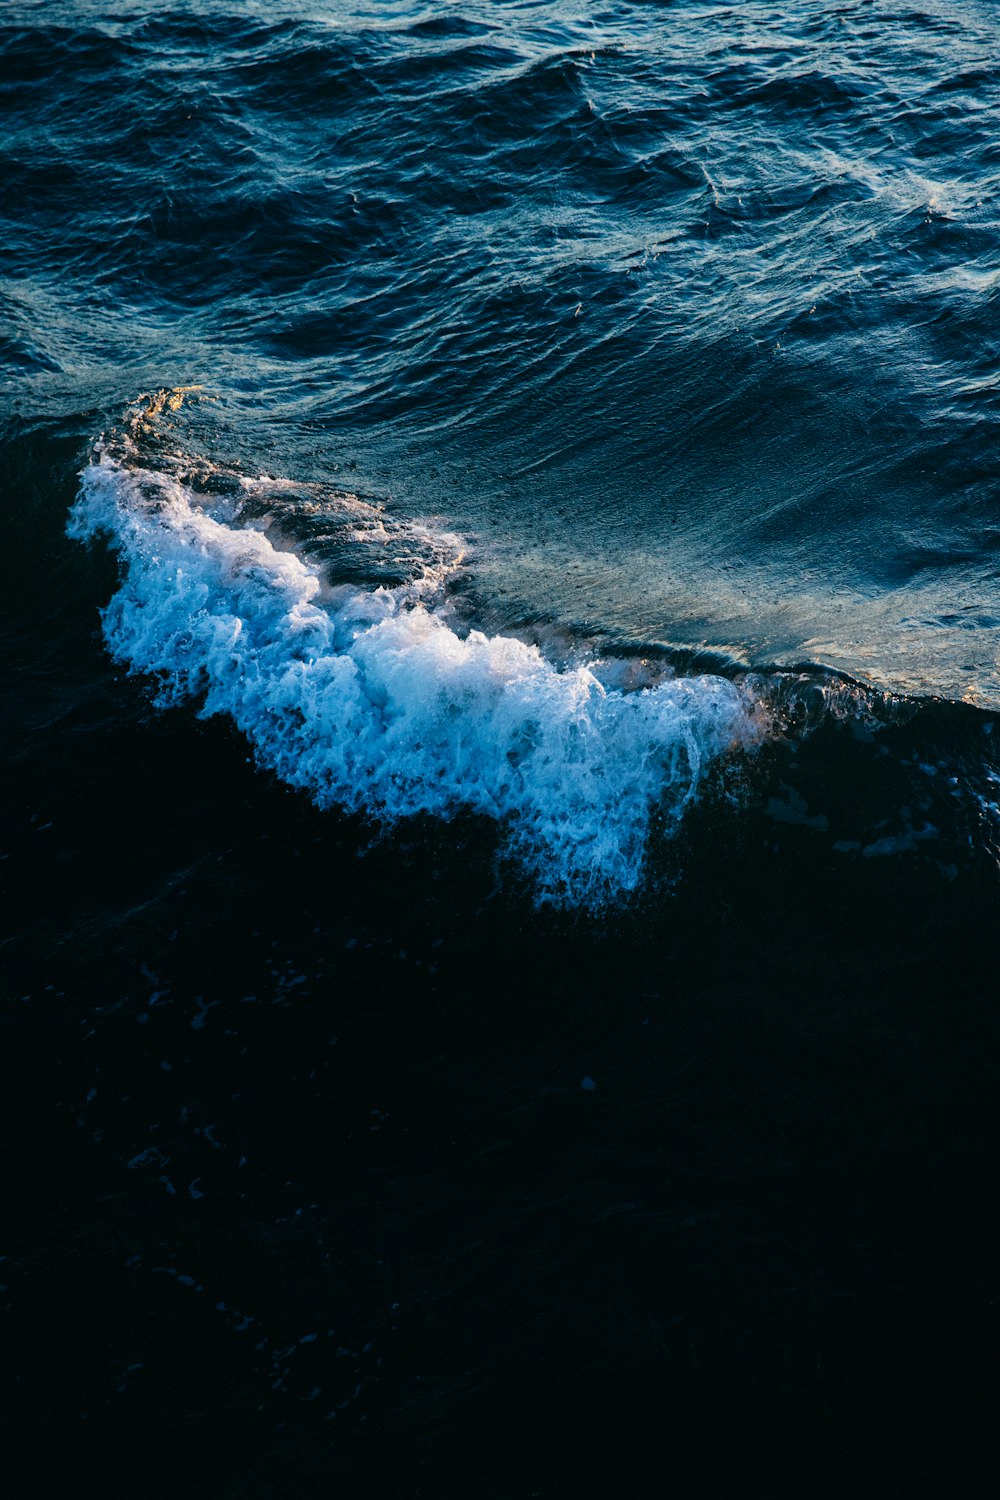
{"x":306,"y":1194}
{"x":761,"y":1245}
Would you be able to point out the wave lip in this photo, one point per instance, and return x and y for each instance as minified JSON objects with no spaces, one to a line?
{"x":371,"y":700}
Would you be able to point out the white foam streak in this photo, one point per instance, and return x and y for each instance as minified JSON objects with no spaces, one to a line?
{"x":372,"y":702}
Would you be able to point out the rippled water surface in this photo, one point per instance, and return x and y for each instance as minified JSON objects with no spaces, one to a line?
{"x":686,"y":315}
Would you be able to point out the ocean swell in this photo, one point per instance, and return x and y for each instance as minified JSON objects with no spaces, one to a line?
{"x":371,"y":700}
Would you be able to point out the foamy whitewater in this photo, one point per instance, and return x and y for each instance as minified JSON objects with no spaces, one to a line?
{"x":371,"y":700}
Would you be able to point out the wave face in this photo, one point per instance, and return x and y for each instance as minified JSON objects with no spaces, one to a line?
{"x":373,"y":701}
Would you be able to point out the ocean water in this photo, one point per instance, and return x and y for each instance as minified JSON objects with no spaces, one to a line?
{"x":501,"y":623}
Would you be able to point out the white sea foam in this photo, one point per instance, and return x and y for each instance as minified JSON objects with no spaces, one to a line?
{"x":372,"y":701}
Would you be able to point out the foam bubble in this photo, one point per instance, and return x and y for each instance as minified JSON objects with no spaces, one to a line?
{"x":372,"y":701}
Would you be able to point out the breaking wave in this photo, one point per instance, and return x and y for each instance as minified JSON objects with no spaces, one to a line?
{"x":373,"y":699}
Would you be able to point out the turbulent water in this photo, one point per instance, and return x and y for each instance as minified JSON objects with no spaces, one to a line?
{"x":501,"y":522}
{"x":369,"y":697}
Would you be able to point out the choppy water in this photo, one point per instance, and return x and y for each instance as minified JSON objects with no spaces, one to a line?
{"x":557,"y":442}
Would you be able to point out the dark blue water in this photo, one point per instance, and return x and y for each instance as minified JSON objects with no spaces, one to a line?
{"x":501,"y":785}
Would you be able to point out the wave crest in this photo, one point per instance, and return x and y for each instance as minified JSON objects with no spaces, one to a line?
{"x":373,"y":701}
